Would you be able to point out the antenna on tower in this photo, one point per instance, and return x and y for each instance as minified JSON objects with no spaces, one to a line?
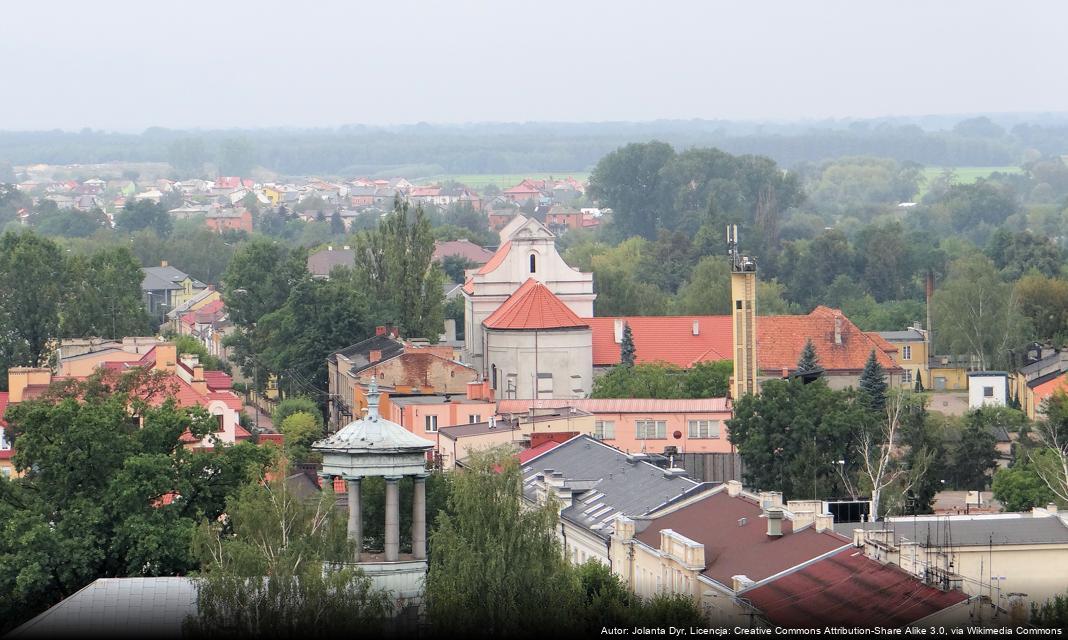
{"x":739,"y":263}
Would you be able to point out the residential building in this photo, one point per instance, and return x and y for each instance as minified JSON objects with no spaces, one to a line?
{"x":716,"y":542}
{"x":646,"y":425}
{"x":1040,"y":378}
{"x":463,"y":248}
{"x":205,"y":297}
{"x":559,"y":219}
{"x":988,"y":388}
{"x":456,"y":443}
{"x":165,"y":288}
{"x":524,"y":191}
{"x":323,"y":261}
{"x":911,"y":355}
{"x":991,"y":555}
{"x":848,"y":589}
{"x":594,"y":484}
{"x":239,"y":219}
{"x":950,"y":373}
{"x":7,"y":451}
{"x":426,"y":415}
{"x":399,"y":366}
{"x":843,"y":349}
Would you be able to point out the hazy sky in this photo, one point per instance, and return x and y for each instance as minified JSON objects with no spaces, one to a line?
{"x":130,"y":65}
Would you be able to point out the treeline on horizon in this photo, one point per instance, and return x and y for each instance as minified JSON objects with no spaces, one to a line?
{"x":425,"y":149}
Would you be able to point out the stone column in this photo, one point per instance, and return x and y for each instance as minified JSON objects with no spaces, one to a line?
{"x":392,"y":518}
{"x":419,"y":518}
{"x":355,"y":516}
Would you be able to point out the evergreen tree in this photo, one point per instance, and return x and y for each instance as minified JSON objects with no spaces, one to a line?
{"x":873,"y":384}
{"x":337,"y":225}
{"x":626,"y":350}
{"x":809,"y":360}
{"x":919,"y":383}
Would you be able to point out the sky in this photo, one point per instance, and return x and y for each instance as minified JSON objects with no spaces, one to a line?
{"x":128,"y":65}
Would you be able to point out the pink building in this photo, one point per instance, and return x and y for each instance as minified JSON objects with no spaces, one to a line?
{"x":423,"y":415}
{"x":649,"y":425}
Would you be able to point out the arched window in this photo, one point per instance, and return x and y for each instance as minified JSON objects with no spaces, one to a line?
{"x":533,"y":263}
{"x":493,"y":379}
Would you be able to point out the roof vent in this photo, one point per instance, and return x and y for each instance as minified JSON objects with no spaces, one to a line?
{"x":775,"y":516}
{"x":742,"y":521}
{"x":697,"y":327}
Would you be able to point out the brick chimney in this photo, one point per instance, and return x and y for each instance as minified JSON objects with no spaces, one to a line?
{"x":374,"y":356}
{"x":837,"y":328}
{"x":18,"y":378}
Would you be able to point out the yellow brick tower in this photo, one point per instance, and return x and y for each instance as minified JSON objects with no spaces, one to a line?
{"x":743,"y":315}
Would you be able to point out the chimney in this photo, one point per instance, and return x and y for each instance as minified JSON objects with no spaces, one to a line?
{"x":380,"y":330}
{"x":624,"y":527}
{"x":734,"y":488}
{"x":166,"y":357}
{"x":163,"y":263}
{"x":785,"y":372}
{"x":740,"y":582}
{"x":697,"y":327}
{"x":775,"y":516}
{"x":824,"y":522}
{"x":769,"y":499}
{"x":374,"y":356}
{"x":18,"y":378}
{"x":618,"y":326}
{"x":837,"y":328}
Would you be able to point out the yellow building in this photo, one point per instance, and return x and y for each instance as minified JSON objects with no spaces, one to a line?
{"x":949,"y":373}
{"x":911,"y":356}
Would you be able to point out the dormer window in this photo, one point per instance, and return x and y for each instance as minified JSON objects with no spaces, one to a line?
{"x":533,"y":263}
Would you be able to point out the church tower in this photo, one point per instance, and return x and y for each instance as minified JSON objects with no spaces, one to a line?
{"x":743,"y":316}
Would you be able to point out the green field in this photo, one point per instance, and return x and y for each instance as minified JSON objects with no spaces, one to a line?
{"x":965,"y":175}
{"x":502,"y":180}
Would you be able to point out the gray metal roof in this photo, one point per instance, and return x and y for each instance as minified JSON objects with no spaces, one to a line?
{"x":127,"y":607}
{"x":967,"y":531}
{"x":907,"y":334}
{"x":159,"y":278}
{"x":604,"y":482}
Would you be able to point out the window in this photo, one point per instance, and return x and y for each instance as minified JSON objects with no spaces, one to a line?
{"x":493,"y":382}
{"x":5,"y":472}
{"x":3,"y":441}
{"x":533,"y":263}
{"x":907,"y":377}
{"x":650,"y":429}
{"x":222,"y":422}
{"x":431,"y":424}
{"x":473,"y":418}
{"x":604,"y":430}
{"x":906,"y":352}
{"x":988,"y":392}
{"x":704,"y":428}
{"x":545,"y":385}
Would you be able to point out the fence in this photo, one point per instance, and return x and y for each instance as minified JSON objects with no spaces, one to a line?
{"x":713,"y":467}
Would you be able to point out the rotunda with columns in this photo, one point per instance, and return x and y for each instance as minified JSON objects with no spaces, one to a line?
{"x":373,"y":446}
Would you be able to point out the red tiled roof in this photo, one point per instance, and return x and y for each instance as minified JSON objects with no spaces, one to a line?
{"x":469,"y":286}
{"x":463,"y":248}
{"x":218,"y":380}
{"x":747,"y":550}
{"x":780,"y":340}
{"x":665,"y":339}
{"x":417,"y":192}
{"x":620,"y":405}
{"x":522,"y":187}
{"x":848,"y":589}
{"x":148,"y":360}
{"x":496,"y":260}
{"x":533,"y":306}
{"x":527,"y":454}
{"x":7,"y":454}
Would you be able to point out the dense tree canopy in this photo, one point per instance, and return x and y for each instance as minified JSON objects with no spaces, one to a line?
{"x":91,"y":503}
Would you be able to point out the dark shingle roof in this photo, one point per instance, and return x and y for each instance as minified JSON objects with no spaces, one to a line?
{"x":159,"y":278}
{"x":605,"y":482}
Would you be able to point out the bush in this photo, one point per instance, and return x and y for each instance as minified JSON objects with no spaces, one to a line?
{"x":297,"y":404}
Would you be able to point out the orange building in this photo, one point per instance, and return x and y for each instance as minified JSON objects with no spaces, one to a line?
{"x":229,"y":220}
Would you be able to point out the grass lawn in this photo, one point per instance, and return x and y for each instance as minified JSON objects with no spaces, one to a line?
{"x":502,"y":180}
{"x":965,"y":175}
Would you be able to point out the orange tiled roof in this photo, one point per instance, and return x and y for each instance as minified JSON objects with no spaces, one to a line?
{"x":498,"y":257}
{"x":780,"y":340}
{"x":533,"y":306}
{"x":664,"y":338}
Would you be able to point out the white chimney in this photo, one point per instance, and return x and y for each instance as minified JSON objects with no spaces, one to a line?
{"x":619,"y":330}
{"x":697,"y":327}
{"x":734,"y":488}
{"x":775,"y":516}
{"x":837,"y":329}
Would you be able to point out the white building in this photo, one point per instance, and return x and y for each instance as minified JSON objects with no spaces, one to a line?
{"x":529,"y":252}
{"x":988,"y":388}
